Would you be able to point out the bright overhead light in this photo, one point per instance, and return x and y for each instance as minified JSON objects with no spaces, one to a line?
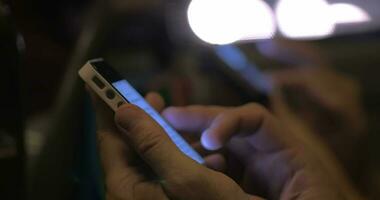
{"x":255,"y":20}
{"x":301,"y":19}
{"x":228,"y":21}
{"x":348,"y":13}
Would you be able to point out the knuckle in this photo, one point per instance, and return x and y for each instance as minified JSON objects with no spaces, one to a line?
{"x":146,"y":135}
{"x":130,"y":116}
{"x":149,"y":142}
{"x":195,"y":108}
{"x":229,"y":115}
{"x":264,"y":117}
{"x":131,"y":110}
{"x":136,"y":110}
{"x":257,"y":108}
{"x":128,"y":107}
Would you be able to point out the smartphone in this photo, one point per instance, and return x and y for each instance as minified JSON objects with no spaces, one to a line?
{"x":116,"y":91}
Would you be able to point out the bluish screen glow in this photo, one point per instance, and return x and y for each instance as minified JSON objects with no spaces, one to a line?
{"x":135,"y":98}
{"x":238,"y":61}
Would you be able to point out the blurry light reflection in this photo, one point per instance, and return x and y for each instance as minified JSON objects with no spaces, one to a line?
{"x":237,"y":61}
{"x":348,"y":13}
{"x":228,"y":21}
{"x":304,"y":19}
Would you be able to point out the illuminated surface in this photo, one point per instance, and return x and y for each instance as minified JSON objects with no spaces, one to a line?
{"x":309,"y":19}
{"x":249,"y":71}
{"x":135,"y":98}
{"x":348,"y":13}
{"x":228,"y":21}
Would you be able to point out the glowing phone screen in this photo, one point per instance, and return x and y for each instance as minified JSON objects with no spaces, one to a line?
{"x":133,"y":97}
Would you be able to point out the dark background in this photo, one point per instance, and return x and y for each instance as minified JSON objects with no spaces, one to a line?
{"x":48,"y":151}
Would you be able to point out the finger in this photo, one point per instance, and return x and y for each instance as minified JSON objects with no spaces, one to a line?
{"x":192,"y":118}
{"x":241,"y":149}
{"x":156,"y":101}
{"x":279,"y":105}
{"x":216,"y":162}
{"x":295,"y":77}
{"x":116,"y":158}
{"x":221,"y":129}
{"x":313,"y":82}
{"x":197,"y":146}
{"x":151,"y":142}
{"x":251,"y":119}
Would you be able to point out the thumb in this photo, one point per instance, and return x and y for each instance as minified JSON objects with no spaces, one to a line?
{"x":180,"y":175}
{"x":151,"y":142}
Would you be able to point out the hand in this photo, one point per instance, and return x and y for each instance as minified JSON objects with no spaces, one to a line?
{"x":261,"y":154}
{"x":141,"y":162}
{"x":330,"y":104}
{"x":330,"y":90}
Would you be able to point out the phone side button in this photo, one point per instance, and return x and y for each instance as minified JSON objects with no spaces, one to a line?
{"x":120,"y":104}
{"x":98,"y":82}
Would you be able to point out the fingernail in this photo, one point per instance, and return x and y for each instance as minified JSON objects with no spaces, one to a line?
{"x":209,"y":142}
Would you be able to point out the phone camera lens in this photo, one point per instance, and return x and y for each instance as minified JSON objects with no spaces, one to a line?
{"x":110,"y":94}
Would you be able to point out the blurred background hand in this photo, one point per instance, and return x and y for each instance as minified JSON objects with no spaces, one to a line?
{"x":329,"y":103}
{"x":261,"y":153}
